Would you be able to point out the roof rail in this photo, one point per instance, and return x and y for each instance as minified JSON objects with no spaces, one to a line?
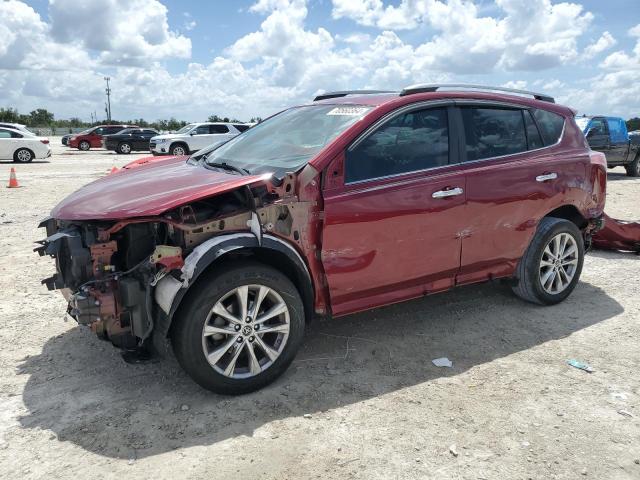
{"x":325,"y":96}
{"x":433,"y":87}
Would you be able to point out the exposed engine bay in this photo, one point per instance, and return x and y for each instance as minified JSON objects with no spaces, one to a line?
{"x":121,"y":277}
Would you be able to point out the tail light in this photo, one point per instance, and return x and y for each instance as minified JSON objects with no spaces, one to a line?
{"x":45,"y":141}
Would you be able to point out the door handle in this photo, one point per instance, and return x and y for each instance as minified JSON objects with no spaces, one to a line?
{"x":447,"y":193}
{"x":546,"y":176}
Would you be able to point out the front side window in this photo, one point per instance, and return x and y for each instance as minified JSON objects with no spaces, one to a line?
{"x":288,"y":140}
{"x":149,"y":132}
{"x":409,"y":142}
{"x":551,"y":125}
{"x":98,"y":131}
{"x":493,"y":132}
{"x":186,"y":128}
{"x":5,"y":134}
{"x":202,"y":130}
{"x":241,"y":128}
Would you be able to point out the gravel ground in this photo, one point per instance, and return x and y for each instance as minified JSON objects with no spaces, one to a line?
{"x":362,"y":400}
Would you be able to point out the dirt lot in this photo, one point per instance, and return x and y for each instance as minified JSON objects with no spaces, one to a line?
{"x":362,"y":400}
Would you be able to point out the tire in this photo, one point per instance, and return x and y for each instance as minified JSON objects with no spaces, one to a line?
{"x":224,"y":287}
{"x":84,"y":145}
{"x":633,"y":169}
{"x":179,"y":149}
{"x":533,"y":277}
{"x":23,"y":155}
{"x":124,"y":148}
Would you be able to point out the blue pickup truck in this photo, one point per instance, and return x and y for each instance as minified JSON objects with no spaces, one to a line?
{"x":609,"y":135}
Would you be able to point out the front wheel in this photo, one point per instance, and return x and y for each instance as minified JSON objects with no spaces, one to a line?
{"x":84,"y":146}
{"x":179,"y":150}
{"x":551,"y":266}
{"x":239,"y":329}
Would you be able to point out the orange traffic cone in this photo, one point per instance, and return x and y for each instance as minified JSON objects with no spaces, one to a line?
{"x":13,"y":181}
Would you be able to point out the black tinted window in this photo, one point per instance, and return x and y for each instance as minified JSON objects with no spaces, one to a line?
{"x":218,"y":129}
{"x":241,"y":128}
{"x":493,"y":132}
{"x":409,"y":142}
{"x":550,"y":124}
{"x":202,"y":130}
{"x":149,"y":132}
{"x":533,"y":135}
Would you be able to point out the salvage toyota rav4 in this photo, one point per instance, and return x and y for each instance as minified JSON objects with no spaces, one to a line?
{"x":354,"y":201}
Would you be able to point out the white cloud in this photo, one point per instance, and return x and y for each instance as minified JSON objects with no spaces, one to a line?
{"x":125,"y":32}
{"x":605,"y":42}
{"x":285,"y":62}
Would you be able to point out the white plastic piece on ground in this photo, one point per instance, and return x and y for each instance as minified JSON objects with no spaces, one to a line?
{"x":442,"y":362}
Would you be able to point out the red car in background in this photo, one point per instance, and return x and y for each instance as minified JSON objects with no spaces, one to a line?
{"x":92,"y":138}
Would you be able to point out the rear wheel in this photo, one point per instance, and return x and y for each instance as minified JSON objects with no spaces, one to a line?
{"x":178,"y":150}
{"x":124,"y":148}
{"x":239,"y":329}
{"x":633,"y":169}
{"x":550,"y":268}
{"x":23,"y":155}
{"x":84,"y":145}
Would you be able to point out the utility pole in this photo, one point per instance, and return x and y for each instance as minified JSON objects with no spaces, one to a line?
{"x":108,"y":91}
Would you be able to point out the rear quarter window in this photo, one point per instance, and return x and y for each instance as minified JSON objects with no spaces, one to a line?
{"x":550,"y":125}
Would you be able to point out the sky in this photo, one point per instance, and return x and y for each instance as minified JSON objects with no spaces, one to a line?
{"x":246,"y":58}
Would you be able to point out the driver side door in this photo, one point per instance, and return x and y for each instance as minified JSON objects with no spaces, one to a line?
{"x":394,"y":213}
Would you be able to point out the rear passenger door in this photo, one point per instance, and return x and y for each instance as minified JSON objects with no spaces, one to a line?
{"x":514,"y":176}
{"x":393,"y":211}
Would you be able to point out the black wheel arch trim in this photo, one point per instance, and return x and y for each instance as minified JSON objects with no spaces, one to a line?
{"x":219,"y":247}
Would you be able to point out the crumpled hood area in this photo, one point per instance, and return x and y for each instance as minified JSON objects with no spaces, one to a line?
{"x":148,"y":191}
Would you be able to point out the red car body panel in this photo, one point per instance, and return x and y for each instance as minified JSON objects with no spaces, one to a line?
{"x":387,"y":240}
{"x":146,"y":192}
{"x":618,"y":235}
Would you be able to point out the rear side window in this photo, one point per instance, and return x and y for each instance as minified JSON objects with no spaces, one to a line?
{"x":5,"y":134}
{"x":533,"y":134}
{"x":241,"y":128}
{"x":617,"y":130}
{"x":218,"y":129}
{"x":410,"y":142}
{"x":550,"y":125}
{"x":493,"y":132}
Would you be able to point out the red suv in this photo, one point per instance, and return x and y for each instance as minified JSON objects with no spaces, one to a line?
{"x":354,"y":201}
{"x":92,"y":138}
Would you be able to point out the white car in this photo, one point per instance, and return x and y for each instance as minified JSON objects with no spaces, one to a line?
{"x":16,"y":126}
{"x":22,"y":147}
{"x":194,"y":137}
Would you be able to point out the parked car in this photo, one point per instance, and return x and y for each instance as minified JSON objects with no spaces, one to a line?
{"x":23,"y":147}
{"x":92,"y":137}
{"x":194,"y":137}
{"x":609,"y":135}
{"x":348,"y":203}
{"x":16,"y":126}
{"x":128,"y":140}
{"x":65,"y":138}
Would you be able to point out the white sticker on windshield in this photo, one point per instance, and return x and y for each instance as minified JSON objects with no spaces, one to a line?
{"x":348,"y":111}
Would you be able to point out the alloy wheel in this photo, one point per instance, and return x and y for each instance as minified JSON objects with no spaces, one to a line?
{"x":246,"y":331}
{"x":178,"y":151}
{"x":24,"y":155}
{"x":125,"y":148}
{"x":558,"y":263}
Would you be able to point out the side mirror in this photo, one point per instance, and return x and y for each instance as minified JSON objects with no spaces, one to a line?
{"x":192,"y":133}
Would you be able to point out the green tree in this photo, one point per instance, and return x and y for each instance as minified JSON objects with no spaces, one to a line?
{"x":633,"y":124}
{"x":40,"y":117}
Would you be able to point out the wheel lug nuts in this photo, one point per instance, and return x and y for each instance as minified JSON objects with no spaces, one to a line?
{"x":237,"y":327}
{"x":240,"y":339}
{"x":251,"y":339}
{"x":248,"y":320}
{"x":256,"y":327}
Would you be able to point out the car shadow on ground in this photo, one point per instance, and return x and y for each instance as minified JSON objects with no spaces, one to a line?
{"x":21,"y":164}
{"x":619,"y":175}
{"x":80,"y":389}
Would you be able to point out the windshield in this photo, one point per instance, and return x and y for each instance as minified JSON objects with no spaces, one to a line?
{"x":186,"y":128}
{"x":288,"y":140}
{"x":583,"y":122}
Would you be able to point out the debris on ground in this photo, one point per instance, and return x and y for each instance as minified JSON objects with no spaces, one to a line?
{"x":580,"y":365}
{"x":625,"y":413}
{"x":442,"y":362}
{"x":453,"y":450}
